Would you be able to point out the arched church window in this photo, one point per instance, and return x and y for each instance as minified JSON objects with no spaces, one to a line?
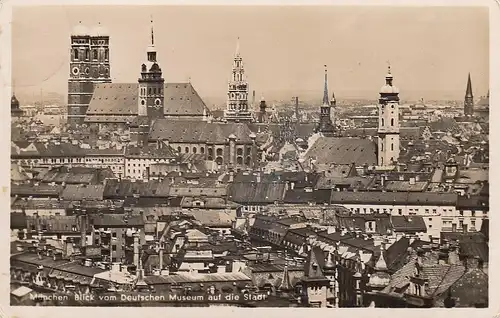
{"x":392,"y":147}
{"x":106,"y":54}
{"x":248,"y":160}
{"x":195,"y":150}
{"x":179,"y":149}
{"x":382,"y":122}
{"x":381,"y":147}
{"x":219,"y":152}
{"x":392,"y":121}
{"x":186,"y":150}
{"x":87,"y":54}
{"x":95,"y":55}
{"x":239,"y":160}
{"x":219,"y":160}
{"x":75,"y":53}
{"x":239,"y":152}
{"x":202,"y":149}
{"x":210,"y":152}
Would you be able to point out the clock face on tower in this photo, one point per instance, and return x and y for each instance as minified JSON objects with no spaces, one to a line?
{"x":158,"y":103}
{"x":75,"y":70}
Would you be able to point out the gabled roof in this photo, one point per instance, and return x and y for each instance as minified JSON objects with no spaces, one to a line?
{"x":328,"y":150}
{"x":120,"y":99}
{"x":314,"y":264}
{"x":194,"y":131}
{"x":253,"y":192}
{"x":408,"y":224}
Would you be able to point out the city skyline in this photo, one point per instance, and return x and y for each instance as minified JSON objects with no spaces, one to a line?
{"x":275,"y":68}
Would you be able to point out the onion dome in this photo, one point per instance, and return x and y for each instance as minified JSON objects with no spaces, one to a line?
{"x":80,"y":30}
{"x":388,"y":88}
{"x":99,"y":30}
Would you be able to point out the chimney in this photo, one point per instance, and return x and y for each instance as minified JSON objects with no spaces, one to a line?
{"x":292,"y":185}
{"x":382,"y":180}
{"x":231,"y":176}
{"x":158,"y":144}
{"x":83,"y":230}
{"x":88,"y":262}
{"x":331,"y":230}
{"x":115,"y":267}
{"x":412,"y":180}
{"x":136,"y":250}
{"x":258,"y":177}
{"x":161,"y":256}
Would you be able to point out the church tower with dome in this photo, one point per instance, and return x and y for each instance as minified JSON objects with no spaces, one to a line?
{"x":388,"y":123}
{"x":89,"y":65}
{"x":150,"y":97}
{"x":151,"y":85}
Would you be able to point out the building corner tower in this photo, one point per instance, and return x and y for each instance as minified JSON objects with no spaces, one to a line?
{"x":388,"y":123}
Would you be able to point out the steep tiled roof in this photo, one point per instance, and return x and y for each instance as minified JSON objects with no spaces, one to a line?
{"x":56,"y":224}
{"x":253,"y":192}
{"x":213,"y":217}
{"x":43,"y":190}
{"x":471,"y":289}
{"x":314,"y":264}
{"x":75,"y":192}
{"x":121,"y":100}
{"x":408,"y":198}
{"x":195,"y":131}
{"x":475,"y":249}
{"x":160,"y":150}
{"x":115,"y":188}
{"x":408,"y":224}
{"x":74,"y":175}
{"x":117,"y":220}
{"x":441,"y":277}
{"x":396,"y":254}
{"x":38,"y":149}
{"x":328,"y":150}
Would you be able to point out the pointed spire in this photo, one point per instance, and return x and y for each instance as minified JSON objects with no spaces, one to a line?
{"x":325,"y":93}
{"x":381,"y":264}
{"x":238,"y":46}
{"x":152,"y":32}
{"x":468,"y":92}
{"x":285,"y":283}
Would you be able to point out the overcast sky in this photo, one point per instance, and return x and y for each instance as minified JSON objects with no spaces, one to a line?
{"x":430,"y":49}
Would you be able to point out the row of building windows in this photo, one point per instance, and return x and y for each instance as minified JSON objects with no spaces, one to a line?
{"x":152,"y":91}
{"x":86,"y":54}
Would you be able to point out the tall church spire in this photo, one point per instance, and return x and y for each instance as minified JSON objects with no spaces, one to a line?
{"x":468,"y":92}
{"x":325,"y":92}
{"x":325,"y":121}
{"x":469,"y":99}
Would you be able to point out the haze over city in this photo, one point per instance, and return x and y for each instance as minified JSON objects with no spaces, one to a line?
{"x":431,"y":50}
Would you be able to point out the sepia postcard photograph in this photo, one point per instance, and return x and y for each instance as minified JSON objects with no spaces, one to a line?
{"x":269,"y":155}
